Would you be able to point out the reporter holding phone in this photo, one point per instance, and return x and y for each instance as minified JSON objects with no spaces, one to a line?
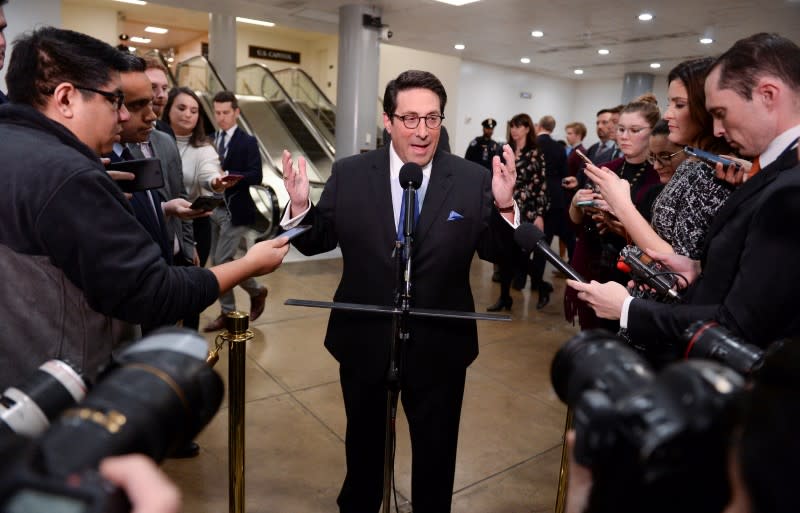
{"x":202,"y":172}
{"x":602,"y":236}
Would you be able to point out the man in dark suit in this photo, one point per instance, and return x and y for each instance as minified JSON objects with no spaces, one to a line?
{"x":605,"y":150}
{"x":464,"y":209}
{"x":555,"y":219}
{"x":749,"y":273}
{"x":239,"y":155}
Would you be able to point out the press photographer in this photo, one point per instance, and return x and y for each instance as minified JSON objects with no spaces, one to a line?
{"x":156,"y":395}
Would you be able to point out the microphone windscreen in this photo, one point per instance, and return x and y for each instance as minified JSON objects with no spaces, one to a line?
{"x":410,"y":175}
{"x":527,"y":235}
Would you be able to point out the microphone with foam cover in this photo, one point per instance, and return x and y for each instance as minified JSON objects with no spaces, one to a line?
{"x":410,"y":181}
{"x":531,"y":238}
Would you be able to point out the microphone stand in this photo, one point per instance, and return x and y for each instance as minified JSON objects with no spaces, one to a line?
{"x":401,"y":336}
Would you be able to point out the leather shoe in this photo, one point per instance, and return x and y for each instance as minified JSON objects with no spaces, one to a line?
{"x":189,"y":450}
{"x":544,"y":295}
{"x":215,"y":325}
{"x":257,"y":303}
{"x":504,"y":303}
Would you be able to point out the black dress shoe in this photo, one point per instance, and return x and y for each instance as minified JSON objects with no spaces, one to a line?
{"x":502,"y":304}
{"x":189,"y":450}
{"x":544,"y":295}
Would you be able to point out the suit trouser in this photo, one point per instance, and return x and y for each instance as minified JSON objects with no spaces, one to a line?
{"x":433,"y":412}
{"x":225,"y":239}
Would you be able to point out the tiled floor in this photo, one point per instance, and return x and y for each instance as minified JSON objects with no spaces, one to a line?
{"x":511,"y":425}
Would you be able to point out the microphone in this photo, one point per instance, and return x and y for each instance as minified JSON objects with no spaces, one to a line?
{"x":531,"y":238}
{"x":410,"y":180}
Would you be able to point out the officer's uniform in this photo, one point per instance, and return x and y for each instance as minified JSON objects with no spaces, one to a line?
{"x":482,"y":149}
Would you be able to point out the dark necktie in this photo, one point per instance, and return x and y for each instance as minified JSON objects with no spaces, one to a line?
{"x":221,"y":146}
{"x":401,"y":236}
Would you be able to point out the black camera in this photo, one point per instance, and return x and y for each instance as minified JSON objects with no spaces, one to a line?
{"x":654,"y":442}
{"x":646,"y":271}
{"x":156,"y":395}
{"x":707,"y":339}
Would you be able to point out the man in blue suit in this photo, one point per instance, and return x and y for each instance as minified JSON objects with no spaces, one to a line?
{"x":239,"y":155}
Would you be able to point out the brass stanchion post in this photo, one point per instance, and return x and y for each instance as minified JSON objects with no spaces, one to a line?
{"x":563,"y":474}
{"x":236,"y":333}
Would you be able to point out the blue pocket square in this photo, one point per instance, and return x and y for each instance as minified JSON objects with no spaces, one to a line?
{"x":454,"y":215}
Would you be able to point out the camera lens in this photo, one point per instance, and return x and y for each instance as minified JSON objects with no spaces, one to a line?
{"x":707,"y":339}
{"x":28,"y":409}
{"x":599,"y":360}
{"x":159,"y":394}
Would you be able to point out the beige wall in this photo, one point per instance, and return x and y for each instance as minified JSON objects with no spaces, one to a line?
{"x":396,"y":59}
{"x":96,"y":21}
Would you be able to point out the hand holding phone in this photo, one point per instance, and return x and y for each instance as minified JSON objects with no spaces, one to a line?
{"x":206,"y":203}
{"x":710,"y":158}
{"x":291,"y":233}
{"x":147,"y":174}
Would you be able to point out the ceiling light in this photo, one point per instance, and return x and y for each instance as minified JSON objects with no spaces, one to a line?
{"x":537,"y":33}
{"x":459,"y":46}
{"x":134,"y":2}
{"x":457,"y":3}
{"x":170,"y":59}
{"x":132,"y":49}
{"x":578,"y":72}
{"x":645,"y":16}
{"x":706,"y":40}
{"x":525,"y":60}
{"x":655,"y":65}
{"x":255,"y":22}
{"x":156,"y":30}
{"x":142,"y":40}
{"x":604,"y":51}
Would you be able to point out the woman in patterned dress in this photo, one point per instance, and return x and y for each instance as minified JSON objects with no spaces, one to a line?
{"x":530,"y":193}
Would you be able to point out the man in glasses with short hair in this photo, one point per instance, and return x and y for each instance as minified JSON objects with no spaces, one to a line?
{"x":71,"y":249}
{"x":463,"y":208}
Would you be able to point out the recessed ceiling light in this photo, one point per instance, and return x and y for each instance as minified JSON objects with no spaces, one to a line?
{"x":459,"y":46}
{"x":255,"y":22}
{"x":142,"y":40}
{"x":645,"y":16}
{"x":457,"y":3}
{"x":706,"y":40}
{"x":132,"y":49}
{"x":156,"y":30}
{"x":537,"y":33}
{"x":134,"y":2}
{"x":604,"y":51}
{"x":525,"y":60}
{"x":655,"y":65}
{"x":578,"y":72}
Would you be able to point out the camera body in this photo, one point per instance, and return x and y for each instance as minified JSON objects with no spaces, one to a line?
{"x":155,"y":396}
{"x":655,"y":442}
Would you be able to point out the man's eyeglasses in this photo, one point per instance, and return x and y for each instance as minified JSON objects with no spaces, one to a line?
{"x":664,"y":159}
{"x":116,"y":98}
{"x":411,"y":121}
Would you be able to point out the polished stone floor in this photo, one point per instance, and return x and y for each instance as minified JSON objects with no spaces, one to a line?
{"x":511,"y":426}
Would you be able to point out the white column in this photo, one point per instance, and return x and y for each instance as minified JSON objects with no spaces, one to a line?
{"x":222,"y":47}
{"x":24,"y":16}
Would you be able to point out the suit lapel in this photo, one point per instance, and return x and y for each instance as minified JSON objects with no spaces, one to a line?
{"x":749,"y":189}
{"x":381,"y":190}
{"x":135,"y":150}
{"x":438,"y":188}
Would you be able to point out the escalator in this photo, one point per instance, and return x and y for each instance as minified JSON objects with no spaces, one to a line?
{"x":258,"y":119}
{"x":305,"y":93}
{"x":264,"y":94}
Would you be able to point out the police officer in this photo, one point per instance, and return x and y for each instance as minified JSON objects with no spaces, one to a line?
{"x":483,"y":148}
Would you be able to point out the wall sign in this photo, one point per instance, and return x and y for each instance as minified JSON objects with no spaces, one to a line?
{"x":273,"y":54}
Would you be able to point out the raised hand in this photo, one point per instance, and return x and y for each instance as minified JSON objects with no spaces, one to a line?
{"x":296,"y":183}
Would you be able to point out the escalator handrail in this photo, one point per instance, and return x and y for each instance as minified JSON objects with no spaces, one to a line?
{"x":268,"y":75}
{"x":310,"y":80}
